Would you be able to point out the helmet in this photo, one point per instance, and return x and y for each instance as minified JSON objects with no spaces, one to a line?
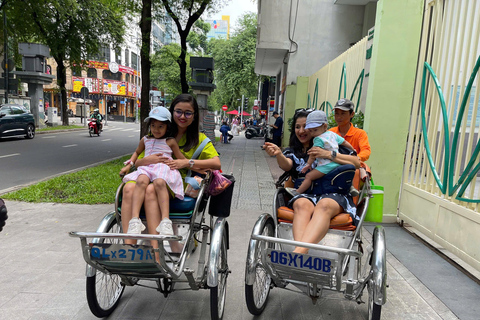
{"x":96,"y":110}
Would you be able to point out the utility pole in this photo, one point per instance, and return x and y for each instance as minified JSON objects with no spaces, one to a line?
{"x":5,"y":54}
{"x":241,"y":114}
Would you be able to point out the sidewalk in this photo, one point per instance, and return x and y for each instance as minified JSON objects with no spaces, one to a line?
{"x":43,"y":271}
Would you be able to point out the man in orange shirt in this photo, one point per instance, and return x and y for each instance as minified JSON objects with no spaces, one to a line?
{"x":356,"y":137}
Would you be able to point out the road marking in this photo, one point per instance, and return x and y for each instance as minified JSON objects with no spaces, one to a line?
{"x":49,"y":137}
{"x":106,"y":140}
{"x":113,"y":129}
{"x":10,"y":155}
{"x":124,"y":130}
{"x":131,"y":136}
{"x":70,"y":145}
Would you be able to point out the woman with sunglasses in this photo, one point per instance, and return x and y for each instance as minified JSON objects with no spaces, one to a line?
{"x":185,"y":130}
{"x":312,"y":213}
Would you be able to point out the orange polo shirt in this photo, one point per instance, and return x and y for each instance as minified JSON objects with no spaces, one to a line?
{"x":359,"y":141}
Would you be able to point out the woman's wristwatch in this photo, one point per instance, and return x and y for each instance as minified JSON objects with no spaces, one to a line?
{"x":334,"y":154}
{"x":191,"y":162}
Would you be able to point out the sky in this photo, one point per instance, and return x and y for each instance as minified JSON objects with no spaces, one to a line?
{"x":234,"y":9}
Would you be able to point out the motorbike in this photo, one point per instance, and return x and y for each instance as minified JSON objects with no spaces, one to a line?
{"x":255,"y":132}
{"x":92,"y":127}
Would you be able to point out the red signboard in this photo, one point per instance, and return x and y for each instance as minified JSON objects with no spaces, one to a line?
{"x":263,"y":112}
{"x":224,"y":108}
{"x":255,"y":107}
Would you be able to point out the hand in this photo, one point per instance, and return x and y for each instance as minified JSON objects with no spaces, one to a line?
{"x":153,"y":159}
{"x":318,"y":152}
{"x":272,"y":149}
{"x":124,"y":171}
{"x":305,"y":169}
{"x":177,"y":164}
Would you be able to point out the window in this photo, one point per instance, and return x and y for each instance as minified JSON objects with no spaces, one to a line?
{"x":127,"y":57}
{"x":92,"y":73}
{"x":134,"y":61}
{"x":118,"y":56}
{"x":112,"y":76}
{"x":6,"y":110}
{"x":127,"y":77}
{"x":17,"y":110}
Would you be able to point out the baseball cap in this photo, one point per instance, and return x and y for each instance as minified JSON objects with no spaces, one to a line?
{"x":274,"y":113}
{"x":315,"y":119}
{"x":160,"y":114}
{"x":344,"y":104}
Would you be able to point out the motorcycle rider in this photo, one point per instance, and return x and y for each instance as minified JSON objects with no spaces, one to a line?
{"x":98,"y":119}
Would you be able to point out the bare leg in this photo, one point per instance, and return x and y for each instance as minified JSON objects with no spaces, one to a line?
{"x":311,"y":176}
{"x":303,"y":210}
{"x":139,"y":195}
{"x":153,"y":214}
{"x":318,"y":226}
{"x":127,"y":198}
{"x":163,"y":197}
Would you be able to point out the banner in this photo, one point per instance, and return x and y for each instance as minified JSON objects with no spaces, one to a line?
{"x":92,"y":84}
{"x":114,"y":87}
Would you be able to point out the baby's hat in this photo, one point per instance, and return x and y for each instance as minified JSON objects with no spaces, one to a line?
{"x":160,"y":114}
{"x":316,"y":119}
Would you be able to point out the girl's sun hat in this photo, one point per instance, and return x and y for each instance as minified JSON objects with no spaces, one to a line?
{"x":160,"y":114}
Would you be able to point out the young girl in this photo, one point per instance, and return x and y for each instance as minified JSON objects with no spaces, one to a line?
{"x":158,"y":140}
{"x":317,"y":124}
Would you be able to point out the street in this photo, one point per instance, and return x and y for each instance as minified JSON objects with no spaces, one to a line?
{"x":48,"y":154}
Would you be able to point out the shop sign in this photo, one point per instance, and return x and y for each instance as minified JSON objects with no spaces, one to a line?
{"x":125,"y":69}
{"x":131,"y":89}
{"x":92,"y":84}
{"x":97,"y":65}
{"x":114,"y":87}
{"x":263,"y":112}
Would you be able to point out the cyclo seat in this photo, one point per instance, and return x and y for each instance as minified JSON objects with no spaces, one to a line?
{"x":179,"y":209}
{"x":339,"y":181}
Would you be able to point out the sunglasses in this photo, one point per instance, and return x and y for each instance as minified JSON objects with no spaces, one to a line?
{"x":187,"y":114}
{"x":304,"y":110}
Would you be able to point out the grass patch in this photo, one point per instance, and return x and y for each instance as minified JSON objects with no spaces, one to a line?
{"x":60,"y":128}
{"x":96,"y":185}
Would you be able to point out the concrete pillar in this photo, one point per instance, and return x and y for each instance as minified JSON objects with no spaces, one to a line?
{"x":35,"y":92}
{"x":396,"y":43}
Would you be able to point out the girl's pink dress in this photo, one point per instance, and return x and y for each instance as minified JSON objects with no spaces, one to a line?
{"x":159,"y":170}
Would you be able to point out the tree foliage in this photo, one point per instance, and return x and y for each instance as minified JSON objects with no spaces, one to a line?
{"x":72,"y":29}
{"x":235,"y":64}
{"x":165,"y":73}
{"x":184,"y":14}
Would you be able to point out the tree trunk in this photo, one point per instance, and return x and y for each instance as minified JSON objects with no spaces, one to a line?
{"x":62,"y":81}
{"x":182,"y":63}
{"x":146,"y":29}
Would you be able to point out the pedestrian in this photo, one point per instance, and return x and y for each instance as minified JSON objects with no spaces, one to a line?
{"x":277,"y":129}
{"x":224,"y":130}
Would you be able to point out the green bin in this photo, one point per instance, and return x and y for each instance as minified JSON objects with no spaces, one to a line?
{"x":375,"y":206}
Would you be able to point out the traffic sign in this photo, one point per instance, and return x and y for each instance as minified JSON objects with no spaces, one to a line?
{"x":255,"y":107}
{"x":224,"y":107}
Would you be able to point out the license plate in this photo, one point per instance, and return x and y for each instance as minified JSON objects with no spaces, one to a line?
{"x":120,"y":252}
{"x":301,"y":261}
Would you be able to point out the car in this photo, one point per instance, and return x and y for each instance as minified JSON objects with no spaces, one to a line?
{"x":15,"y":120}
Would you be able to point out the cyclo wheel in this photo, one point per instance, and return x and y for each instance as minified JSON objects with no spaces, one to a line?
{"x":256,"y":295}
{"x":218,"y":293}
{"x":105,"y":290}
{"x":374,"y":310}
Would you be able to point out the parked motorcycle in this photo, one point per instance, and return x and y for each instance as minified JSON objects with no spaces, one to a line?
{"x":255,"y":132}
{"x":92,"y":127}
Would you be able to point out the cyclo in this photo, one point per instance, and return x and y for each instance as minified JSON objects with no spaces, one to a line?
{"x":338,"y":262}
{"x":112,"y":265}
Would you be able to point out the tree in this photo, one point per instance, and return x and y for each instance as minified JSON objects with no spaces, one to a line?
{"x":165,"y":71}
{"x":187,"y":13}
{"x":73,"y":30}
{"x":235,"y":63}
